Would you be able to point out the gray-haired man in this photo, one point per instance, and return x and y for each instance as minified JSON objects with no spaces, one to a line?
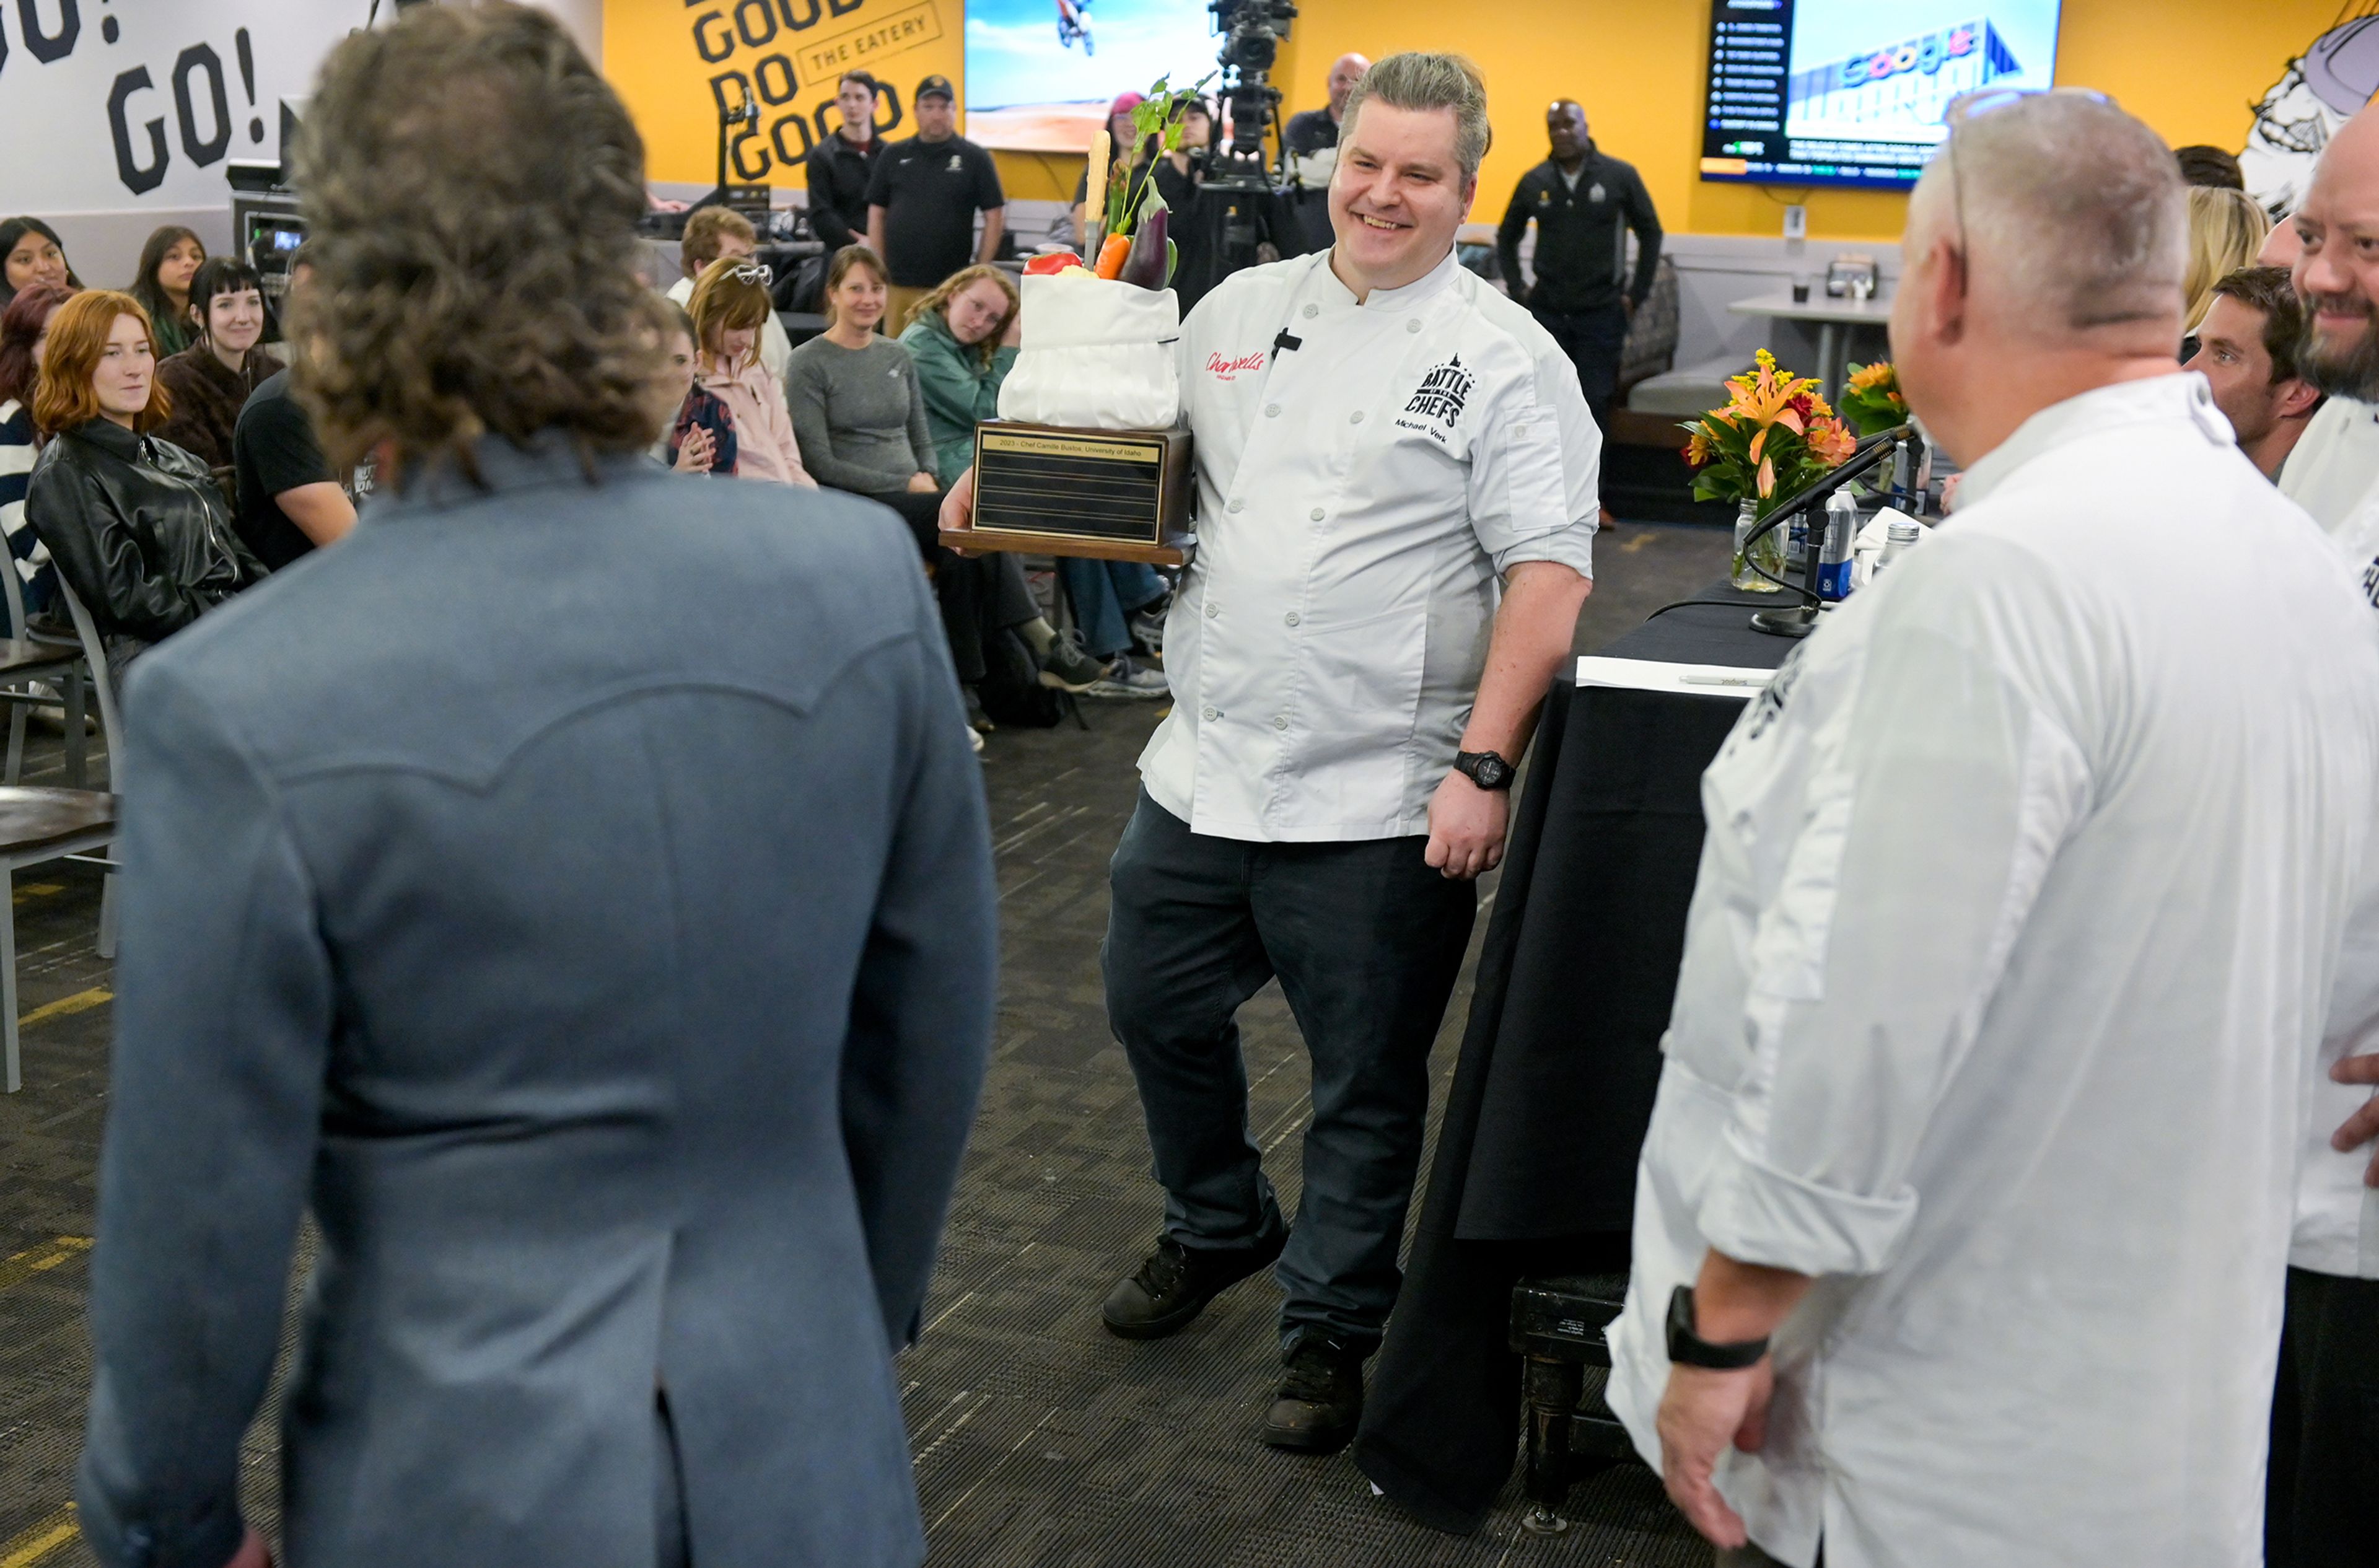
{"x":1962,"y":1215}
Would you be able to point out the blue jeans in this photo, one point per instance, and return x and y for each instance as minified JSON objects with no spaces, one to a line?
{"x":1105,"y":591}
{"x":1366,"y":940}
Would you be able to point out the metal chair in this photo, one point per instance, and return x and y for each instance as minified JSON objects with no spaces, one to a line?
{"x":39,"y":825}
{"x":24,"y":661}
{"x":102,"y":682}
{"x":1558,"y":1324}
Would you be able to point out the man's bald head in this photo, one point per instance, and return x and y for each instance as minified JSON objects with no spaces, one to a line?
{"x":1344,"y":72}
{"x":2336,"y":274}
{"x":2056,"y":244}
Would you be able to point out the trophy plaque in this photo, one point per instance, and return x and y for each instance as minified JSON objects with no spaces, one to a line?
{"x":1053,"y":489}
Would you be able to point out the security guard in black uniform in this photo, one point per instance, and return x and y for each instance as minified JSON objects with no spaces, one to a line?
{"x":1583,"y":201}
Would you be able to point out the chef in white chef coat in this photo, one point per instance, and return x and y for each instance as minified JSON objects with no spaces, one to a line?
{"x":1397,"y":504}
{"x":1961,"y":1219}
{"x":2322,"y":1504}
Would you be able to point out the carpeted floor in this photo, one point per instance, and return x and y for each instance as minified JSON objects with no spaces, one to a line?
{"x":1040,"y":1439}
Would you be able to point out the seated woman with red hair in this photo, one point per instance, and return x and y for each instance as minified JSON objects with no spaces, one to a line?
{"x":136,"y":524}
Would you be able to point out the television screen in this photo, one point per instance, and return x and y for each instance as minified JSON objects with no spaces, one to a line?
{"x":1846,"y":92}
{"x":1041,"y":73}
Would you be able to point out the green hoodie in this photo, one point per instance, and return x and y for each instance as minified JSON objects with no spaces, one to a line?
{"x":960,"y":392}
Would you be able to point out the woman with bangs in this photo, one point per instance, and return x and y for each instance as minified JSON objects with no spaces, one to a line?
{"x":136,"y":524}
{"x":730,"y":305}
{"x":211,"y":382}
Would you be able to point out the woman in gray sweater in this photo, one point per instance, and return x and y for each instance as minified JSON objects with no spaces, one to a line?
{"x":858,"y":415}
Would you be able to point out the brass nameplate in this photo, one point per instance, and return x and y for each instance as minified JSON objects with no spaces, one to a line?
{"x":1075,"y":446}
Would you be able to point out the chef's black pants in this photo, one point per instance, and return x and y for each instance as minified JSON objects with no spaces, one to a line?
{"x":1366,"y":940}
{"x":2321,"y":1506}
{"x":1595,"y":341}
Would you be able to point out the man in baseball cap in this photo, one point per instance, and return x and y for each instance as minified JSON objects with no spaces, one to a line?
{"x":922,"y":199}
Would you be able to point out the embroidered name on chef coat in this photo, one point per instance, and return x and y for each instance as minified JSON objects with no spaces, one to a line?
{"x":1437,"y":405}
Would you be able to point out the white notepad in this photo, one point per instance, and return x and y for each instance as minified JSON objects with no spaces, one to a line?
{"x":1686,"y":679}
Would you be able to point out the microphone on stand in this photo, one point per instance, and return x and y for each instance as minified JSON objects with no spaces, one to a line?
{"x":1871,"y":453}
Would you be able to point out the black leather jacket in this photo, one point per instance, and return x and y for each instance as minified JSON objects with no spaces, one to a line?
{"x":138,"y":528}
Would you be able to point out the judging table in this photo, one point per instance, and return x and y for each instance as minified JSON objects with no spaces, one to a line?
{"x":1836,"y":322}
{"x":1535,"y":1169}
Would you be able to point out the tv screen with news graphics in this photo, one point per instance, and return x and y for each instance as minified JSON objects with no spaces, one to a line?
{"x":1849,"y":93}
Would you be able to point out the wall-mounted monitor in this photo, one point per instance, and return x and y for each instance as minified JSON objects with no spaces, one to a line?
{"x":1040,"y":73}
{"x":1847,"y":92}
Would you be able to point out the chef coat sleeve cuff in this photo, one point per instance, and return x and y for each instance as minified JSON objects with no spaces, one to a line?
{"x":1572,"y":546}
{"x":1756,"y":1213}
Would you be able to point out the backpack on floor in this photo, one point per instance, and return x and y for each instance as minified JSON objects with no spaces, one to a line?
{"x":1011,"y":689}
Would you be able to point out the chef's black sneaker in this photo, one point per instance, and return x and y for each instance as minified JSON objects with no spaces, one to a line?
{"x":1320,"y":1399}
{"x":1174,"y":1284}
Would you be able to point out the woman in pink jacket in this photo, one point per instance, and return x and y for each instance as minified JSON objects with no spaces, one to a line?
{"x":729,"y":305}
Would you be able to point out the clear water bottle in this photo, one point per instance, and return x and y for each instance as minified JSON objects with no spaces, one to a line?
{"x":1898,"y":541}
{"x":1834,"y":553}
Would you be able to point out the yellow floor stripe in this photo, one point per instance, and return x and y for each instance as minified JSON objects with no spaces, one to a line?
{"x":26,"y":892}
{"x":39,"y":1543}
{"x":81,"y":1002}
{"x":38,"y":1259}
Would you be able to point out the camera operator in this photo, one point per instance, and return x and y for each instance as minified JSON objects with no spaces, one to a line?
{"x":1309,"y":145}
{"x":1383,"y":440}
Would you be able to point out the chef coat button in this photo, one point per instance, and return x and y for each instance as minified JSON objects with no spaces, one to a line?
{"x":1272,"y":410}
{"x":1210,"y":714}
{"x":1315,"y":514}
{"x":1236,"y":505}
{"x":1357,"y":418}
{"x":1413,"y":325}
{"x":1312,"y":312}
{"x":1213,"y":610}
{"x":1292,"y":617}
{"x":1280,"y":721}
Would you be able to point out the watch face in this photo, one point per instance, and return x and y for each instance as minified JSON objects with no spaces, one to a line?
{"x":1494,"y":773}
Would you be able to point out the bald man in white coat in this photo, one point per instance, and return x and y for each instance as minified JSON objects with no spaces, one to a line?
{"x":1962,"y":1217}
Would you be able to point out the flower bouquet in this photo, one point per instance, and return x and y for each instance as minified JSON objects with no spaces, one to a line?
{"x":1774,"y":437}
{"x":1872,"y":400}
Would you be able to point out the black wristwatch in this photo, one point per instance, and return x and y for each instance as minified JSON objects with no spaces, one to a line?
{"x":1485,"y":769}
{"x":1688,"y":1348}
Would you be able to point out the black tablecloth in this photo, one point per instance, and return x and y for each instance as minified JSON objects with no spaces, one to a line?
{"x":1535,"y":1159}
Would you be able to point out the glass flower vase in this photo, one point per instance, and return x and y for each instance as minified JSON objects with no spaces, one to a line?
{"x":1767,"y":554}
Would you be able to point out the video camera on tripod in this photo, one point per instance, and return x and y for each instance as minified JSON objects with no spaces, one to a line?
{"x":1251,"y":31}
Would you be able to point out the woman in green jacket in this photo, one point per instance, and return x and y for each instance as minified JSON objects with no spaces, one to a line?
{"x":963,"y":338}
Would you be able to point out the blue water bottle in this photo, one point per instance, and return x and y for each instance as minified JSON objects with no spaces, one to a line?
{"x":1834,"y":554}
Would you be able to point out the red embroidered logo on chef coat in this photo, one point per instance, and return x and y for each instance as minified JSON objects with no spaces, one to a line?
{"x":1223,"y":369}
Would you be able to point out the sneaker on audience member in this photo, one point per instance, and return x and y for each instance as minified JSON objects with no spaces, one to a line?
{"x":1147,"y":625}
{"x":977,"y":721}
{"x":1067,"y":668}
{"x":1125,"y":678}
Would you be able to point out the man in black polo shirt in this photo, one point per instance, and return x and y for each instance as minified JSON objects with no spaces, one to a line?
{"x":922,"y":200}
{"x":838,"y":168}
{"x":1584,"y":201}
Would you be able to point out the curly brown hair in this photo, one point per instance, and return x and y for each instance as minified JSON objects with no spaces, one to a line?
{"x":472,"y":189}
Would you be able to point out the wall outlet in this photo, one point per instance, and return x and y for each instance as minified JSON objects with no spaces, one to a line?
{"x":1797,"y":222}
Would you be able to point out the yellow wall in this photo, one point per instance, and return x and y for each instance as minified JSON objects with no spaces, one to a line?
{"x":2189,"y":67}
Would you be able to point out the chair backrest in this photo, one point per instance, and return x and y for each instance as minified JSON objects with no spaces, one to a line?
{"x":102,"y":679}
{"x":16,"y":597}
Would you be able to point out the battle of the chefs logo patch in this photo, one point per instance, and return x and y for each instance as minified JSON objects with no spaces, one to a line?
{"x":1436,"y":406}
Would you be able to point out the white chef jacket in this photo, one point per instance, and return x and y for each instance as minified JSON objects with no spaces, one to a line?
{"x":2335,"y":463}
{"x":2337,"y":1216}
{"x":2017,"y":908}
{"x":1359,"y":494}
